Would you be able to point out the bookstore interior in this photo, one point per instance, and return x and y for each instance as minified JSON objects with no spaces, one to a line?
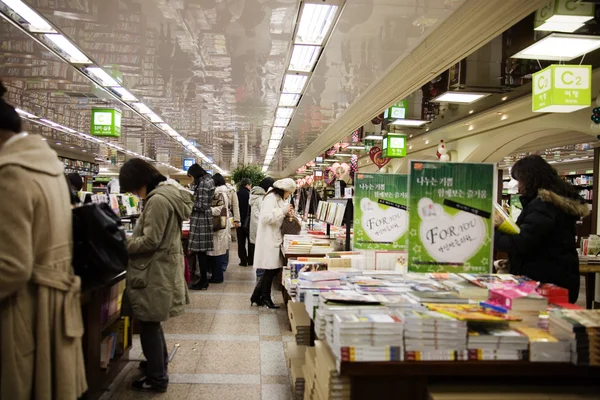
{"x":402,"y":146}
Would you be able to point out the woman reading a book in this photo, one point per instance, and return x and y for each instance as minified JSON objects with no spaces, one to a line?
{"x":545,"y":249}
{"x":269,"y":238}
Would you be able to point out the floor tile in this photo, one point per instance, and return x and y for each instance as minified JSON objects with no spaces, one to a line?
{"x":187,"y":356}
{"x":269,"y":325}
{"x":276,"y":392}
{"x":229,"y":302}
{"x":222,"y":312}
{"x":200,"y":300}
{"x":189,"y":323}
{"x":235,"y":325}
{"x":275,"y":380}
{"x":230,"y":358}
{"x":212,"y":338}
{"x":239,"y":288}
{"x":272,"y":359}
{"x":221,"y":379}
{"x":224,"y":392}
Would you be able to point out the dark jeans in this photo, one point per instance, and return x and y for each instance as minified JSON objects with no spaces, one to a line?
{"x":154,"y":346}
{"x":224,"y":260}
{"x":243,"y":238}
{"x":204,"y":264}
{"x":217,"y":269}
{"x":264,"y":284}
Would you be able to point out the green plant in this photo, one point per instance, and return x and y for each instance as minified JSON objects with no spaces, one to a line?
{"x":252,"y":172}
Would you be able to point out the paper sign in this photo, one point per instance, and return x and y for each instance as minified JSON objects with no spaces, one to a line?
{"x":451,"y":217}
{"x":380,"y":216}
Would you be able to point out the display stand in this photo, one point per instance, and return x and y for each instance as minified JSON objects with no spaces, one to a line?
{"x":99,"y":379}
{"x":347,"y":220}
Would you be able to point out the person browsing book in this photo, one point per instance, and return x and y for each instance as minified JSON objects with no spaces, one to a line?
{"x":156,"y":287}
{"x":545,"y":250}
{"x":269,"y":238}
{"x":40,"y":313}
{"x":257,"y":195}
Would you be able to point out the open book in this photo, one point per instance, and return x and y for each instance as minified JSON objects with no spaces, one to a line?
{"x":507,"y":226}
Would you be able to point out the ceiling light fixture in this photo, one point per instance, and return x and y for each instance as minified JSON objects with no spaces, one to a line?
{"x":409,"y":122}
{"x":36,"y":23}
{"x":25,"y":113}
{"x":560,"y":47}
{"x":315,"y":22}
{"x":294,"y":83}
{"x":104,"y":78}
{"x":284,"y":112}
{"x":471,"y":112}
{"x":343,"y":155}
{"x":459,"y":97}
{"x":124,"y":93}
{"x":355,"y":147}
{"x":74,"y":55}
{"x":281,"y":122}
{"x":154,"y":118}
{"x":304,"y":58}
{"x":142,"y":108}
{"x":289,"y":100}
{"x":374,"y":137}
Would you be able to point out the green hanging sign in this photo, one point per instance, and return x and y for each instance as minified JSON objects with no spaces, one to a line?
{"x":562,"y":88}
{"x":106,"y":122}
{"x":397,"y":111}
{"x":394,"y":145}
{"x":380,"y":216}
{"x":451,"y":209}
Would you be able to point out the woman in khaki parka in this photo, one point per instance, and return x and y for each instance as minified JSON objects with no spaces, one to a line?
{"x":40,"y":312}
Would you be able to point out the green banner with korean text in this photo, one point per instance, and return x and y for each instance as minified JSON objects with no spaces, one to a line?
{"x":451,"y":209}
{"x":106,"y":122}
{"x":380,"y":216}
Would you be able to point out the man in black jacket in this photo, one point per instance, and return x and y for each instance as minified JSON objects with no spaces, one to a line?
{"x":243,"y":237}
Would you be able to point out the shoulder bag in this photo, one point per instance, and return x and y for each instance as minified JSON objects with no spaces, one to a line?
{"x":220,"y":221}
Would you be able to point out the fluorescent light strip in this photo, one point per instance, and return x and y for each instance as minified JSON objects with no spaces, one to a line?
{"x":355,"y":147}
{"x":37,"y":24}
{"x":374,"y":137}
{"x":75,"y":55}
{"x":104,"y":78}
{"x":25,"y":114}
{"x":408,"y":122}
{"x":142,"y":108}
{"x":284,"y":112}
{"x":315,"y":22}
{"x":289,"y":100}
{"x":304,"y":58}
{"x":560,"y":47}
{"x":124,"y":93}
{"x":294,"y":83}
{"x":343,"y":155}
{"x":154,"y":118}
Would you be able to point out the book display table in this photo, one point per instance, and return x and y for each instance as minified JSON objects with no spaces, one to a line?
{"x":411,"y":379}
{"x":589,"y":271}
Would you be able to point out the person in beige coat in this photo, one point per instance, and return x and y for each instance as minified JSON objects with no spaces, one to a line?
{"x":40,"y":313}
{"x":156,"y":285}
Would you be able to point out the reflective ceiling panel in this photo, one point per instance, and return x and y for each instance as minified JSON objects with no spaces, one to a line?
{"x":370,"y":36}
{"x":211,"y":69}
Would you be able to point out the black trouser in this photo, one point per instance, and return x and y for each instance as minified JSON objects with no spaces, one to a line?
{"x":154,"y":346}
{"x":204,"y":264}
{"x":263,"y":286}
{"x":242,"y":238}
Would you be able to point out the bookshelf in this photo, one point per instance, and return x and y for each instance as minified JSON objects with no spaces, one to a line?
{"x":101,"y":310}
{"x":329,"y":218}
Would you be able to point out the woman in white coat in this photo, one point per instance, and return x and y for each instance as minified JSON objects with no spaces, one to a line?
{"x":221,"y":238}
{"x":269,"y":238}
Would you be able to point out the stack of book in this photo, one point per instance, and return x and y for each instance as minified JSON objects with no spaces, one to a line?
{"x":543,"y":347}
{"x":300,"y":323}
{"x":554,"y":294}
{"x":322,"y":378}
{"x":370,"y":337}
{"x":321,"y":279}
{"x":295,"y":356}
{"x":430,"y":335}
{"x":582,"y":329}
{"x":496,"y":343}
{"x":518,"y":301}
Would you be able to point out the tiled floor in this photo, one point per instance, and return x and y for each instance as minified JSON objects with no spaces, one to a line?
{"x":226,"y":349}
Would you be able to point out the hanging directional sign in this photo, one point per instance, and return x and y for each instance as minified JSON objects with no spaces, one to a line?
{"x":106,"y":122}
{"x":562,"y":88}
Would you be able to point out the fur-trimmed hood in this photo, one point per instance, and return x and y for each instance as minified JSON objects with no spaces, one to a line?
{"x":570,"y":206}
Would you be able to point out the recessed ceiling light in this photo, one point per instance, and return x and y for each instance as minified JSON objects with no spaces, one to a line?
{"x":560,"y":47}
{"x":74,"y":55}
{"x":142,"y":108}
{"x":294,"y":83}
{"x":124,"y":93}
{"x":315,"y":22}
{"x":281,"y":122}
{"x":408,"y":122}
{"x":104,"y":78}
{"x":505,"y":98}
{"x":459,"y":97}
{"x":284,"y":112}
{"x":355,"y":147}
{"x":289,"y":100}
{"x":71,"y":147}
{"x":58,"y":143}
{"x":471,"y":112}
{"x":374,"y":137}
{"x":304,"y":58}
{"x":427,"y":142}
{"x":44,"y":139}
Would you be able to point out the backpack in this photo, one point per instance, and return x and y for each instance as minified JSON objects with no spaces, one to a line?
{"x":99,"y":242}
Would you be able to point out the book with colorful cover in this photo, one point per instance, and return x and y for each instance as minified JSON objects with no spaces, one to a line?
{"x":522,"y":297}
{"x":471,"y":313}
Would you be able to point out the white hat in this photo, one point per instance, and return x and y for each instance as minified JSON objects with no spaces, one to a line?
{"x":286,"y":184}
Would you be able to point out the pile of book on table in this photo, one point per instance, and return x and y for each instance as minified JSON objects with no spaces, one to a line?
{"x":322,"y":380}
{"x":580,"y":328}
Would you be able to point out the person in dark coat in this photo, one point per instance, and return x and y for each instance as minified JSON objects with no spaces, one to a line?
{"x":243,"y":232}
{"x":545,"y":250}
{"x":201,"y":227}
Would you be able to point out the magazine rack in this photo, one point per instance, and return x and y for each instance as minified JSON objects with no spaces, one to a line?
{"x":347,"y":220}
